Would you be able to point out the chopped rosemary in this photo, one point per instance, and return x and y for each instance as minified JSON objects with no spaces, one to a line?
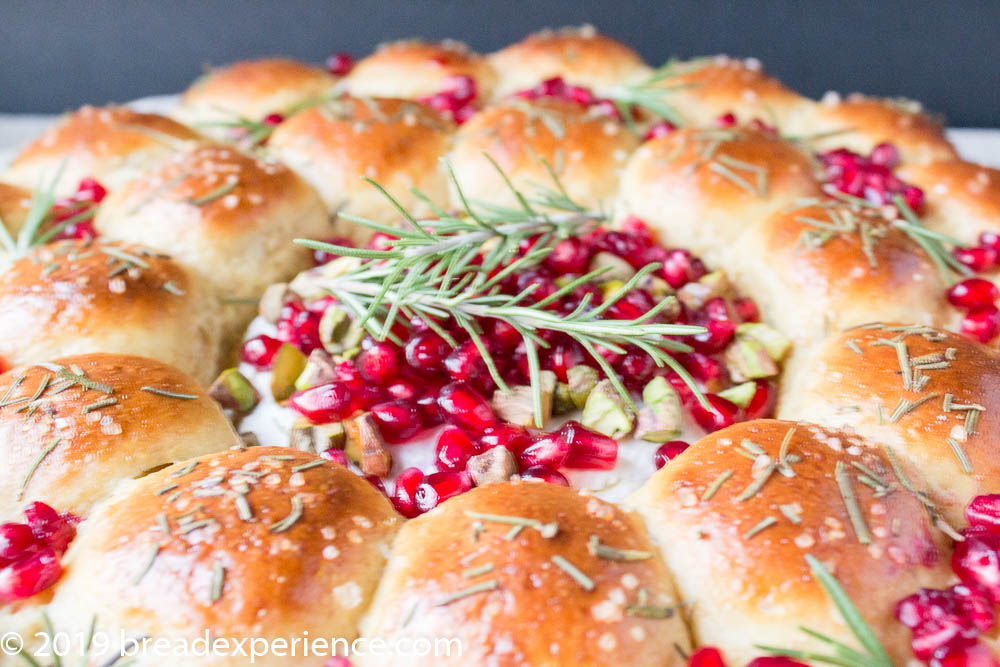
{"x":586,"y":583}
{"x":99,"y":404}
{"x":210,"y":197}
{"x":758,"y":483}
{"x":195,"y":525}
{"x":185,"y":470}
{"x":546,"y":530}
{"x":476,"y":571}
{"x":147,"y":564}
{"x":34,"y":466}
{"x":218,"y":579}
{"x":169,"y":394}
{"x":293,"y":516}
{"x":514,"y":531}
{"x":306,"y":466}
{"x":791,"y":513}
{"x":714,"y":487}
{"x":763,"y":525}
{"x":483,"y":587}
{"x":851,"y":503}
{"x":960,"y":454}
{"x":165,"y":489}
{"x":596,"y":548}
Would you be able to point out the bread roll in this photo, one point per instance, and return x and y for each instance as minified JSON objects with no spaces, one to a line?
{"x":963,"y":198}
{"x":413,"y":68}
{"x":14,"y":205}
{"x":74,"y":297}
{"x":735,"y":518}
{"x":581,"y":56}
{"x":855,"y":381}
{"x":395,"y":142}
{"x":112,"y":144}
{"x":587,"y":151}
{"x":860,"y":123}
{"x":74,"y":428}
{"x":702,"y":189}
{"x":250,"y":90}
{"x":463,"y":571}
{"x":265,"y":542}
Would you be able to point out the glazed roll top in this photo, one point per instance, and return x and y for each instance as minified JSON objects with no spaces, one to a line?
{"x":827,"y":265}
{"x":586,"y":149}
{"x":250,"y":90}
{"x":15,"y":202}
{"x":229,"y":217}
{"x":737,"y":514}
{"x":72,"y":297}
{"x":704,"y":89}
{"x":415,"y":69}
{"x":395,"y":142}
{"x":263,"y":542}
{"x":111,"y":144}
{"x":72,"y":429}
{"x":702,"y":189}
{"x":963,"y":198}
{"x":860,"y":123}
{"x":529,"y":573}
{"x":930,"y":395}
{"x":580,"y":56}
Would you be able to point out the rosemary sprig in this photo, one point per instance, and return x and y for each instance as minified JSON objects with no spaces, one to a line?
{"x":949,"y":267}
{"x":452,"y":267}
{"x":873,"y":655}
{"x":34,"y":232}
{"x":652,"y":94}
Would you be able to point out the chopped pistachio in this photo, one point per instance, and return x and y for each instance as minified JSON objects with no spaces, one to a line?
{"x":607,"y":412}
{"x":365,"y":446}
{"x":289,"y":362}
{"x":695,"y":295}
{"x":562,"y":402}
{"x":657,"y":287}
{"x":317,"y":438}
{"x":617,"y":268}
{"x":234,"y":392}
{"x":320,"y":369}
{"x":661,"y":418}
{"x":740,"y":394}
{"x":776,"y":343}
{"x":271,"y":302}
{"x":517,"y":405}
{"x":581,"y":380}
{"x":248,"y":439}
{"x":337,"y":331}
{"x":494,"y":465}
{"x":659,"y":389}
{"x":747,"y":359}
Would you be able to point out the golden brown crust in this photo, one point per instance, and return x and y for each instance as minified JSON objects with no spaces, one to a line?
{"x":413,"y":68}
{"x":860,"y":123}
{"x":703,"y":189}
{"x":396,"y":142}
{"x":581,"y":56}
{"x":14,"y":204}
{"x":704,"y":89}
{"x":748,"y":582}
{"x":499,"y":626}
{"x":73,"y":297}
{"x":71,"y":445}
{"x":963,"y":198}
{"x":301,"y":556}
{"x":587,"y":150}
{"x":856,"y":375}
{"x":111,"y":144}
{"x":251,"y":90}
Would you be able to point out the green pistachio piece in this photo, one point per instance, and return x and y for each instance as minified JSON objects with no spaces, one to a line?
{"x":747,"y":359}
{"x":234,"y":392}
{"x":659,"y":389}
{"x":517,"y":406}
{"x":365,"y":447}
{"x":617,"y":268}
{"x":320,"y":369}
{"x":776,"y":343}
{"x":562,"y":402}
{"x":581,"y":380}
{"x":607,"y":412}
{"x":740,"y":394}
{"x":289,"y":362}
{"x":695,"y":295}
{"x":494,"y":465}
{"x":317,"y":438}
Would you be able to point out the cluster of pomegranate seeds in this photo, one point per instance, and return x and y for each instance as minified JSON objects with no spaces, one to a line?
{"x":424,"y":382}
{"x":871,"y":177}
{"x":89,"y":193}
{"x":457,"y":101}
{"x":30,"y":551}
{"x":558,"y":88}
{"x":710,"y":656}
{"x":340,"y":63}
{"x":977,"y":297}
{"x":946,"y":624}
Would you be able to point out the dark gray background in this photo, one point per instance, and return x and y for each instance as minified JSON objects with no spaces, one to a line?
{"x":58,"y":55}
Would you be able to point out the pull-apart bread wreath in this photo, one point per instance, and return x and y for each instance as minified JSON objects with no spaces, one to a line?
{"x":512,"y":331}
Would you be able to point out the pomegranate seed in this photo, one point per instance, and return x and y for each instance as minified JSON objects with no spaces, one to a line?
{"x":381,"y":241}
{"x":324,"y":403}
{"x":979,"y":259}
{"x":259,"y":351}
{"x":885,"y":155}
{"x":299,"y":326}
{"x":727,"y":119}
{"x":30,"y":575}
{"x":504,"y":336}
{"x":397,"y":420}
{"x":50,"y":527}
{"x":972,"y":655}
{"x":977,"y":563}
{"x":990,"y":240}
{"x":623,"y":244}
{"x":377,"y":483}
{"x":775,"y":661}
{"x":702,"y":367}
{"x":982,"y":512}
{"x":546,"y":474}
{"x":570,"y":255}
{"x":401,"y":388}
{"x":726,"y":413}
{"x":465,"y":363}
{"x":16,"y":539}
{"x":746,"y":309}
{"x":404,"y":494}
{"x":426,"y":351}
{"x":379,"y":363}
{"x":561,"y":358}
{"x":427,"y":402}
{"x":546,"y":449}
{"x":366,"y":397}
{"x":465,"y":407}
{"x":661,"y":129}
{"x":636,"y":367}
{"x":454,"y":449}
{"x":336,"y":455}
{"x":706,"y":657}
{"x":338,"y":661}
{"x":982,"y":323}
{"x":717,"y":309}
{"x":588,"y":450}
{"x":633,"y":305}
{"x":763,"y":401}
{"x":514,"y":438}
{"x":667,"y":451}
{"x":973,"y":292}
{"x":88,"y":189}
{"x":720,"y":333}
{"x":273,"y":119}
{"x":914,"y":197}
{"x":680,"y":267}
{"x":340,"y":63}
{"x":438,"y":487}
